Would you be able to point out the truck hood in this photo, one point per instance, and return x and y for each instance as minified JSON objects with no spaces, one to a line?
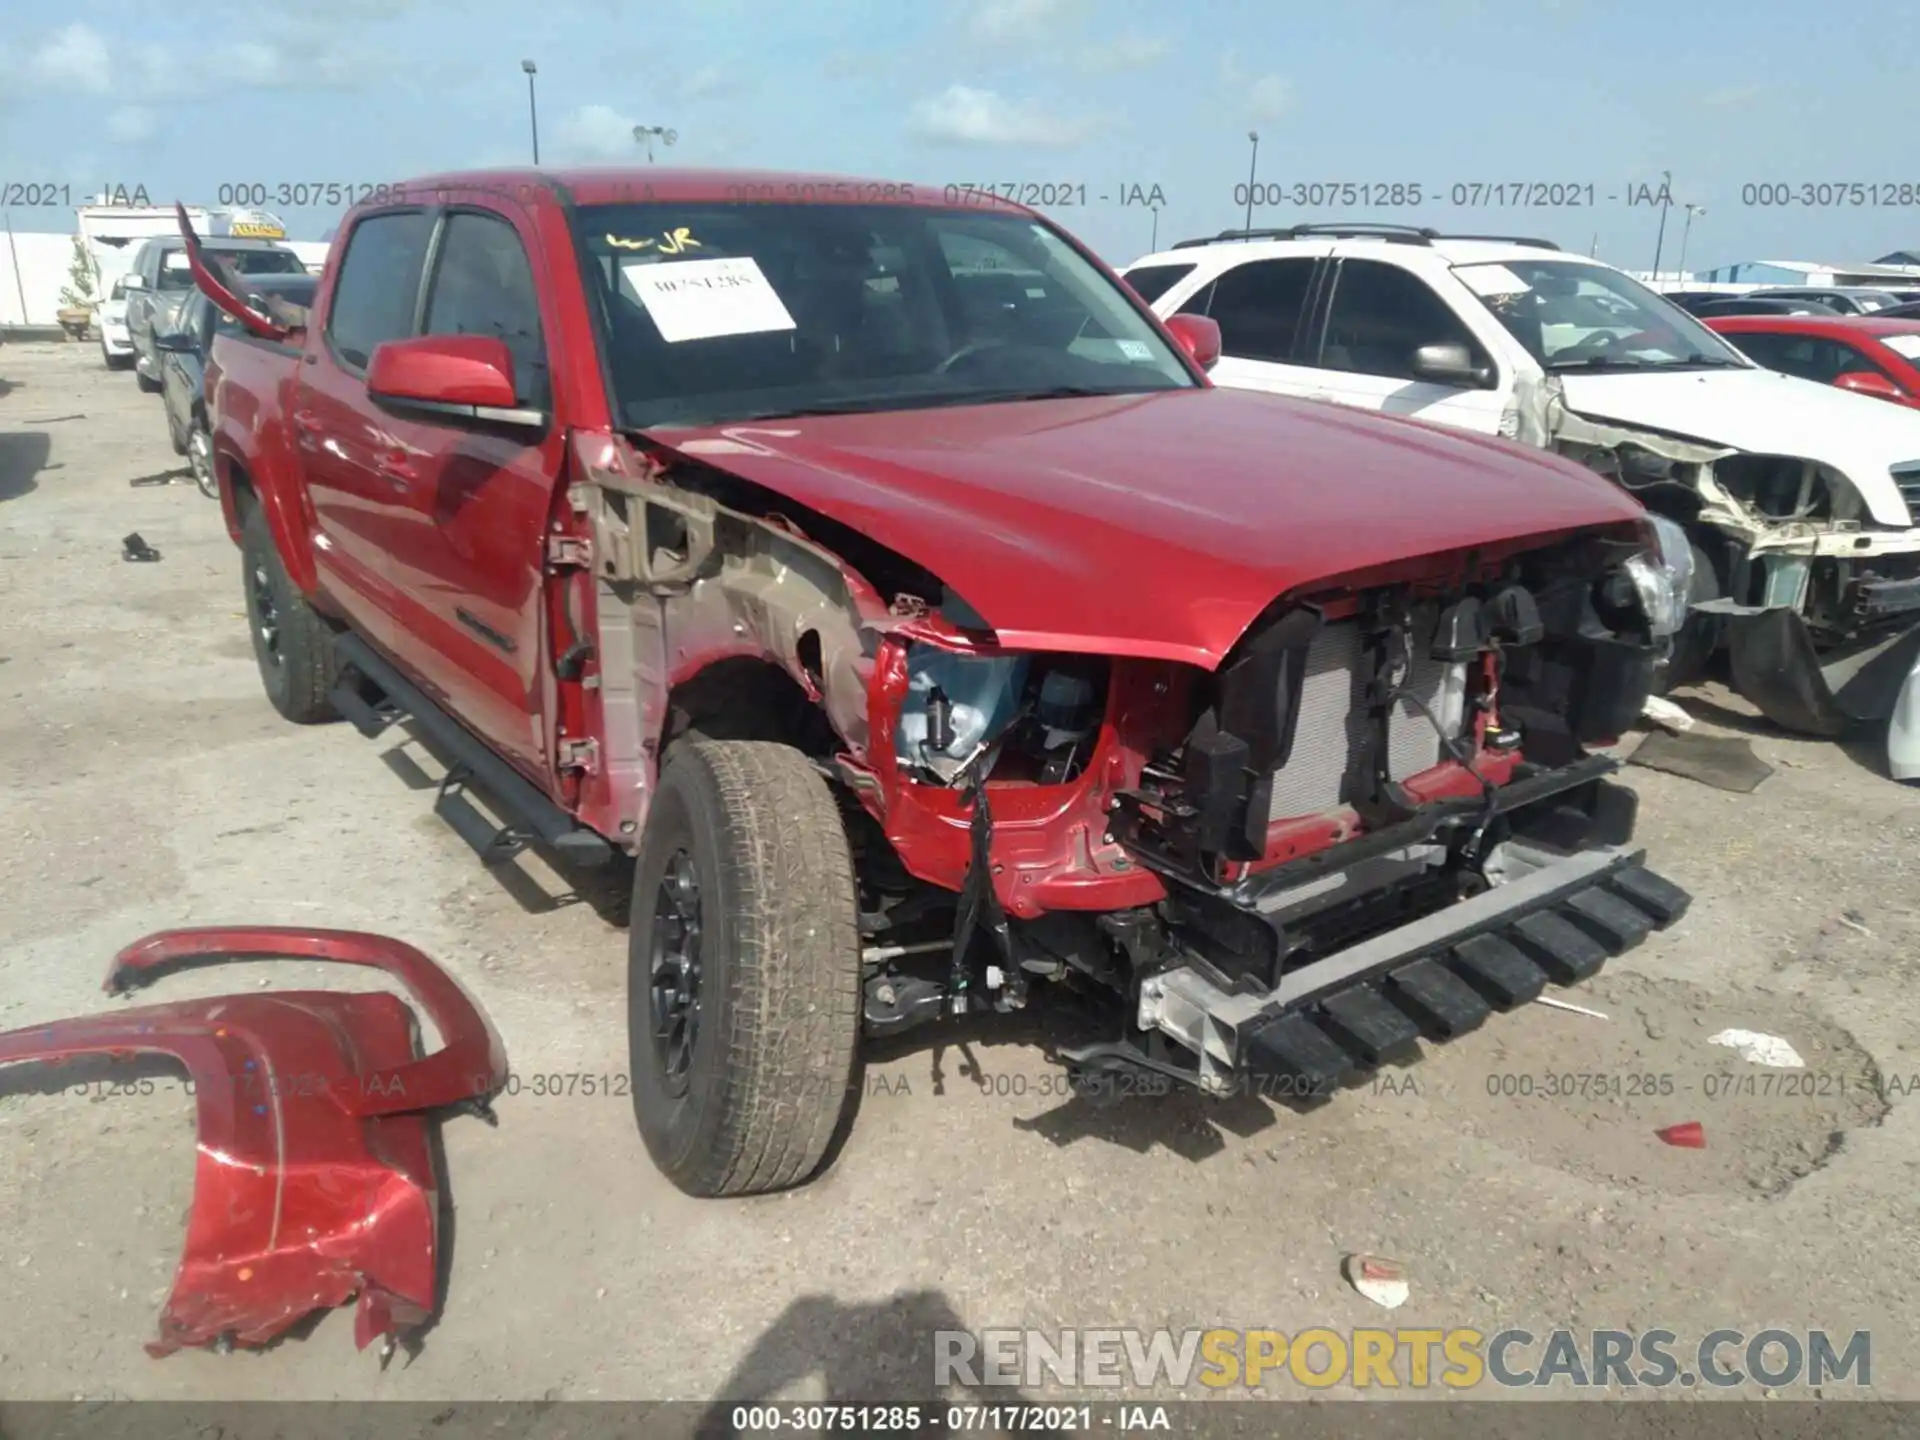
{"x":1766,"y":413}
{"x":1153,"y":525}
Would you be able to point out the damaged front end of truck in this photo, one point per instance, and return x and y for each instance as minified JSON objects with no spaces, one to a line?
{"x":1810,"y":584}
{"x":1376,"y":818}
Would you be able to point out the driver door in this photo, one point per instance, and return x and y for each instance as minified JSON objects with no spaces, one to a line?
{"x":1379,"y":314}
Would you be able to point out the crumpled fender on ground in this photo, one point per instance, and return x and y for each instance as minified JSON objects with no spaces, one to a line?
{"x":315,"y":1179}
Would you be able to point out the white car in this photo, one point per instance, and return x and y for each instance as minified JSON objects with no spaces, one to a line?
{"x":1802,"y":500}
{"x":116,"y":345}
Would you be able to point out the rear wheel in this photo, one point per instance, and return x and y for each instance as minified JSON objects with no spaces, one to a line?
{"x":291,"y":643}
{"x":743,"y":978}
{"x":200,"y":457}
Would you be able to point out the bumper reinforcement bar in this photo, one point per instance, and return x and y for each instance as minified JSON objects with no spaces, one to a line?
{"x":1434,"y":978}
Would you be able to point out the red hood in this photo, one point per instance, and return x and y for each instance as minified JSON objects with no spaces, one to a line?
{"x":1153,"y":525}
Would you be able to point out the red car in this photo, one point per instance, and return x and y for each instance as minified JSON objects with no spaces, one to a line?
{"x":1863,"y":353}
{"x":869,"y":570}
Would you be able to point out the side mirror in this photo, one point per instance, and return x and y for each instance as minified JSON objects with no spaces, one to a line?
{"x":176,"y":342}
{"x":1869,"y":382}
{"x":458,"y":376}
{"x":1198,"y":336}
{"x":1450,"y":363}
{"x":119,"y":291}
{"x":134,"y":282}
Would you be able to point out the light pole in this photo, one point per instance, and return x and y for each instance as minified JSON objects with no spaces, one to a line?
{"x":645,"y":133}
{"x":1666,"y":200}
{"x":1153,"y":245}
{"x":1685,"y":231}
{"x":533,"y":113}
{"x":1253,"y":167}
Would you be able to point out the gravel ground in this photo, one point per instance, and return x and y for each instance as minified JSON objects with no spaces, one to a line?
{"x":145,"y":783}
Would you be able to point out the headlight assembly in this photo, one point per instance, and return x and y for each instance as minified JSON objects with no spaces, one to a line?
{"x":1663,"y":578}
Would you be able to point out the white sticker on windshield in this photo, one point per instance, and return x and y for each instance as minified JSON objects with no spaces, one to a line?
{"x":1907,"y":345}
{"x":703,"y":299}
{"x":1136,"y":349}
{"x":1491,"y":280}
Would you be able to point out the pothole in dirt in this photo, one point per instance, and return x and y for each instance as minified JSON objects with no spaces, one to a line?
{"x":1587,"y":1096}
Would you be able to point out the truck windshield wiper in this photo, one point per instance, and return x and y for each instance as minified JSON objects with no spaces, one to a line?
{"x":1630,"y":362}
{"x":926,"y":400}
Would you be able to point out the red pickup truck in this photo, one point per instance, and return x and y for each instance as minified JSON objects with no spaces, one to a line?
{"x":879,"y":574}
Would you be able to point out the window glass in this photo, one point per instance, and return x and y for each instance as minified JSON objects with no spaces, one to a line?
{"x":483,"y":285}
{"x":1570,"y":315}
{"x":712,"y":312}
{"x":1150,"y":282}
{"x":379,"y":282}
{"x":1258,"y":307}
{"x":1381,"y":314}
{"x":1811,"y":357}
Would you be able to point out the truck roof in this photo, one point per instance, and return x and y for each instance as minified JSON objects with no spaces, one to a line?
{"x":626,"y":184}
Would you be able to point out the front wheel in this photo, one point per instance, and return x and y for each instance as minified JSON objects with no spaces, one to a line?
{"x":150,"y":387}
{"x":743,"y":969}
{"x":291,"y":643}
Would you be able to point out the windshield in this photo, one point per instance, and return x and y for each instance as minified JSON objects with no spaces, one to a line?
{"x":716,"y":312}
{"x":1571,"y":316}
{"x":175,"y":274}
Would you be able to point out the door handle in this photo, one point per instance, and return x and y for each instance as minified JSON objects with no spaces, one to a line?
{"x":396,"y":469}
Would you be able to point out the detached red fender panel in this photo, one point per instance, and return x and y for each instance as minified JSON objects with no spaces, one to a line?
{"x":315,"y":1179}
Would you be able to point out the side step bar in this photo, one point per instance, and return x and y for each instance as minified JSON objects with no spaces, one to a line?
{"x":532,"y":816}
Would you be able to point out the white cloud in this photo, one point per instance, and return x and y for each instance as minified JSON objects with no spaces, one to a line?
{"x":74,"y":56}
{"x":708,"y":80}
{"x":1732,"y":97}
{"x":1020,"y":22}
{"x":1258,"y":98}
{"x":962,"y":115}
{"x":597,"y":132}
{"x":248,"y":62}
{"x":131,"y":124}
{"x":1269,"y":97}
{"x":1131,"y":51}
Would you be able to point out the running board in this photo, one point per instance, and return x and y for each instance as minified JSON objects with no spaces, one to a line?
{"x":531,"y":817}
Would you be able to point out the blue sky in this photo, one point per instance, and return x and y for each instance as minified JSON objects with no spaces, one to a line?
{"x":1105,"y":94}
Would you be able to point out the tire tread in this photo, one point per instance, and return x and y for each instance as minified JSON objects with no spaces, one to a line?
{"x":794,"y":978}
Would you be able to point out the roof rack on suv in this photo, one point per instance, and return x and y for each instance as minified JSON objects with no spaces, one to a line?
{"x":1508,"y":239}
{"x":1394,"y":234}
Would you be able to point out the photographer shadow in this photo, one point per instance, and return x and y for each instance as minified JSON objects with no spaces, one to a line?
{"x":879,"y":1357}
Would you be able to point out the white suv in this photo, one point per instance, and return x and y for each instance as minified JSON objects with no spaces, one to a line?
{"x":1802,"y":500}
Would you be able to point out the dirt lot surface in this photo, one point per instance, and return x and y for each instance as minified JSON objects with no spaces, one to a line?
{"x":145,"y":783}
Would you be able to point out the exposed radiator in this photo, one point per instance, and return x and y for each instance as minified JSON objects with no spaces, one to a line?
{"x":1332,"y":722}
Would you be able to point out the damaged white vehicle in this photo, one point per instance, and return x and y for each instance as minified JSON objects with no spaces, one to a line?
{"x":1802,"y":501}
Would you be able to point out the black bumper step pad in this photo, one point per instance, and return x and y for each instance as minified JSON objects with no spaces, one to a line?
{"x":1558,"y":946}
{"x":1446,"y":994}
{"x":1499,"y":970}
{"x":1662,"y":899}
{"x":1615,"y":922}
{"x":1293,"y":1049}
{"x":1365,"y":1022}
{"x":1438,"y":1001}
